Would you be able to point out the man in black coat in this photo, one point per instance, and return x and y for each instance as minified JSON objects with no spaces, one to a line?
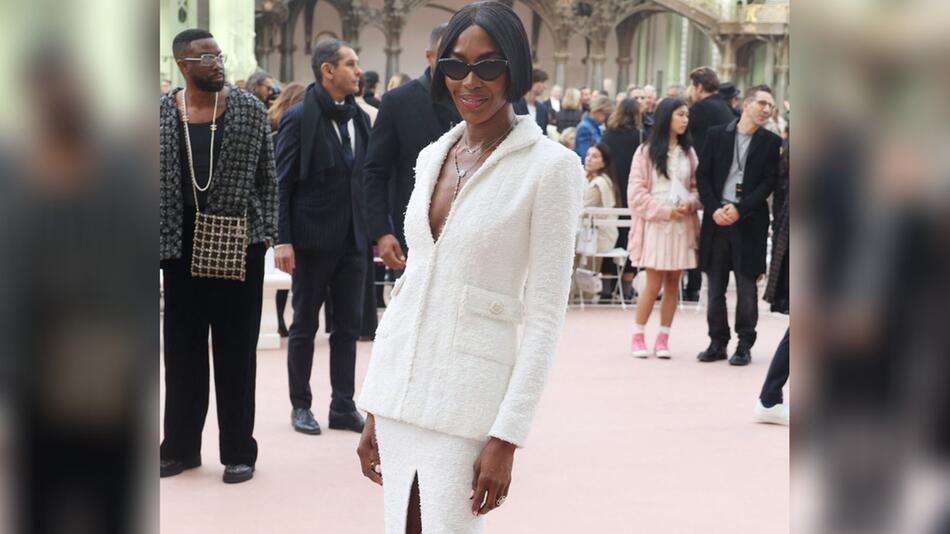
{"x":408,"y":121}
{"x":737,"y":172}
{"x":709,"y":109}
{"x":531,"y":103}
{"x":321,"y":227}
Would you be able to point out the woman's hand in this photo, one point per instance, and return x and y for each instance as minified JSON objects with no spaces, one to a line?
{"x":679,"y":212}
{"x":368,"y":451}
{"x":492,"y":476}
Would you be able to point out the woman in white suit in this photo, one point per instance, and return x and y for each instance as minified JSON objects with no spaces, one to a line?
{"x":452,"y":387}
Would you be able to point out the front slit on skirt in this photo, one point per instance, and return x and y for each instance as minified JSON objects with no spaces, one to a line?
{"x":444,"y":466}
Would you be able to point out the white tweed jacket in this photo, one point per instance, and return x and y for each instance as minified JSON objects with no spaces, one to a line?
{"x":465,"y":345}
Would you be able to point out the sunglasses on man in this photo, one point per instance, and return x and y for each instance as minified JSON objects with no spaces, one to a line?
{"x":486,"y":69}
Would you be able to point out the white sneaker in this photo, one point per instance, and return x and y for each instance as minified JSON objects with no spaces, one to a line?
{"x":776,"y":415}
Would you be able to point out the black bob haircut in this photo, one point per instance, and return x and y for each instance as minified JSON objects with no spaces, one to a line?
{"x":184,"y":39}
{"x":505,"y":28}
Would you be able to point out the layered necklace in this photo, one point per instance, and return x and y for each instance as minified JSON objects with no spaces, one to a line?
{"x":191,"y":161}
{"x":482,"y":151}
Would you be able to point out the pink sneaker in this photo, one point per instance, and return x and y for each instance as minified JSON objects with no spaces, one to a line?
{"x":661,"y":347}
{"x":639,"y":346}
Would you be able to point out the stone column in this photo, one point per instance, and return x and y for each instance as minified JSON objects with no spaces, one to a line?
{"x":394,"y":21}
{"x":562,"y":37}
{"x":624,"y":57}
{"x":598,"y":56}
{"x":623,"y":73}
{"x":781,"y":74}
{"x":727,"y":49}
{"x":232,"y":23}
{"x":287,"y":50}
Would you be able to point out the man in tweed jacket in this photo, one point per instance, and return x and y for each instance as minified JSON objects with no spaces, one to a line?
{"x":228,"y":154}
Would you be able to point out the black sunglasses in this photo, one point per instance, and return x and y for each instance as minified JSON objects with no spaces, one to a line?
{"x":486,"y":69}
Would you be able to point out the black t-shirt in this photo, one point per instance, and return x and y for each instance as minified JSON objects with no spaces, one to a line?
{"x":201,"y":152}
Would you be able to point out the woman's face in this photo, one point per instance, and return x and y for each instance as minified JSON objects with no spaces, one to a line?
{"x":477,"y":100}
{"x":594,"y":162}
{"x":680,"y":120}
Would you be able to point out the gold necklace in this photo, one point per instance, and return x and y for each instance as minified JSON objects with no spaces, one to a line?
{"x":191,"y":161}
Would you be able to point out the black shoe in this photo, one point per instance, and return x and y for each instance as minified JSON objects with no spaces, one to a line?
{"x":170,"y":468}
{"x":304,"y":422}
{"x":282,"y":330}
{"x":742,"y":356}
{"x":691,"y":296}
{"x":346,"y":421}
{"x":236,"y":473}
{"x":714,"y":352}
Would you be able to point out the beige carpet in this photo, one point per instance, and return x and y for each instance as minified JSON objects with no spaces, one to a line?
{"x":619,"y":445}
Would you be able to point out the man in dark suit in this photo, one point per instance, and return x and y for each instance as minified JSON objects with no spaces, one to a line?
{"x":708,"y":110}
{"x":322,"y":234}
{"x":408,"y":121}
{"x":531,"y":103}
{"x":737,"y":172}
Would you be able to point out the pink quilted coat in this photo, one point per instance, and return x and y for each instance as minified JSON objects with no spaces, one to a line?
{"x":643,"y":207}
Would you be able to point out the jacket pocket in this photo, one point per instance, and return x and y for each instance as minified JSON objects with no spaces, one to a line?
{"x":487,"y":325}
{"x":387,"y":322}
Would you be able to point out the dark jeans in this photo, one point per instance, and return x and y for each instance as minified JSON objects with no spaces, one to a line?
{"x":343,"y":273}
{"x":777,"y":375}
{"x":232,"y":311}
{"x":726,"y":257}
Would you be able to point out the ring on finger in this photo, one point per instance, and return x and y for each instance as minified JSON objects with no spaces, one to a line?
{"x":500,"y":500}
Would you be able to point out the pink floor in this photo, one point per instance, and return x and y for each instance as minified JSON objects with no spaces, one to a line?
{"x":619,"y":445}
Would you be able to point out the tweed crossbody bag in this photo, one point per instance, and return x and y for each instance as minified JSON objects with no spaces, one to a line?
{"x":220,"y":241}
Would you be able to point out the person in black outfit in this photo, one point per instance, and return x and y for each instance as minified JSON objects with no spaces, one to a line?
{"x":708,"y":110}
{"x":771,"y":407}
{"x":624,"y":135}
{"x":729,"y":93}
{"x":408,"y":121}
{"x":241,"y":182}
{"x":322,"y":234}
{"x":532,"y":104}
{"x":737,"y":172}
{"x":372,"y":82}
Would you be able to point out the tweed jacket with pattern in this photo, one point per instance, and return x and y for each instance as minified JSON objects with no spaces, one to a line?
{"x":244,"y":175}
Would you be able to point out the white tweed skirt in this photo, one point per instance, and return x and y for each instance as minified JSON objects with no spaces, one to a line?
{"x":443,"y":464}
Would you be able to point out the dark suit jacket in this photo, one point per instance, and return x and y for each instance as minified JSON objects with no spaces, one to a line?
{"x":408,"y":121}
{"x":623,"y":144}
{"x":703,"y":115}
{"x":551,"y":112}
{"x":759,"y":178}
{"x":320,"y":200}
{"x":541,"y":109}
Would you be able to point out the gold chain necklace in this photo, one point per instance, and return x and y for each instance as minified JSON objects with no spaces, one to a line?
{"x":191,"y":161}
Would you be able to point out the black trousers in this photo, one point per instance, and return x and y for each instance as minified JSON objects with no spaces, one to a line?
{"x":369,"y":315}
{"x":232,"y":311}
{"x":777,"y":376}
{"x":343,"y":273}
{"x":726,"y":257}
{"x":694,"y":280}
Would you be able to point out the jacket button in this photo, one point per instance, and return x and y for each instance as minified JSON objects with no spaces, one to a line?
{"x":496,"y":308}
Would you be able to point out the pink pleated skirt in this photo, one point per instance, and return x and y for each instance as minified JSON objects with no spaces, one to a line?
{"x":666,"y":246}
